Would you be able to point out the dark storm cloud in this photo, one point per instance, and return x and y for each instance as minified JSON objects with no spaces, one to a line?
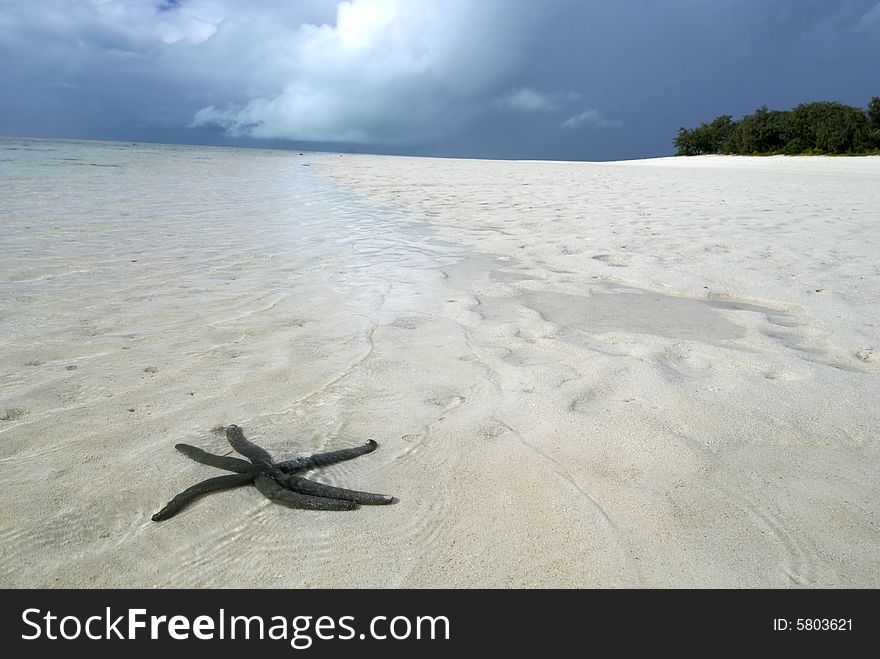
{"x":495,"y":78}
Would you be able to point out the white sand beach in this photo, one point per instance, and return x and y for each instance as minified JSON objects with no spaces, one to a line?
{"x":658,"y":373}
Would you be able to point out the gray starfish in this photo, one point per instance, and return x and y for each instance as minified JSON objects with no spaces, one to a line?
{"x":277,"y":481}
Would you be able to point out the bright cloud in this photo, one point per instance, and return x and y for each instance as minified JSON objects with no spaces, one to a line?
{"x":871,"y":19}
{"x":527,"y":99}
{"x":368,"y":71}
{"x":590,"y":116}
{"x":389,"y":71}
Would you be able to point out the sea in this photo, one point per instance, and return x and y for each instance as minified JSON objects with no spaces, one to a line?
{"x":147,"y":219}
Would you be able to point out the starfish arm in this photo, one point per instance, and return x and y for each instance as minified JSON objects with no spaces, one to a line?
{"x":220,"y":461}
{"x":190,"y":494}
{"x":326,"y":459}
{"x":299,"y":484}
{"x":273,"y":491}
{"x":248,"y":449}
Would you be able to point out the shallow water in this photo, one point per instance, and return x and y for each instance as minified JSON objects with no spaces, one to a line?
{"x":149,"y":293}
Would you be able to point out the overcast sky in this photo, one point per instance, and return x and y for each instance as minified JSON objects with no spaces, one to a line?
{"x":561,"y":79}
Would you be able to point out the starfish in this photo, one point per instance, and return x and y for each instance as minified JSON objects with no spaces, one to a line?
{"x":277,"y":481}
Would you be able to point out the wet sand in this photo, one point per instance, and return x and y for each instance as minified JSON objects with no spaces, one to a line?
{"x":656,"y":373}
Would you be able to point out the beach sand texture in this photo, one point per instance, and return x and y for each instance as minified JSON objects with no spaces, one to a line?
{"x":642,"y":374}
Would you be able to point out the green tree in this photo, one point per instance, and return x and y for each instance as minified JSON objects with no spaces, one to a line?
{"x":764,"y":131}
{"x":873,"y":116}
{"x":705,"y":138}
{"x":874,"y":113}
{"x":718,"y":132}
{"x":821,"y":127}
{"x":686,"y":143}
{"x":831,"y":127}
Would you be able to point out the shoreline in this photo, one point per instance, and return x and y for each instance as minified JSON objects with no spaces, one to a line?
{"x":579,"y":374}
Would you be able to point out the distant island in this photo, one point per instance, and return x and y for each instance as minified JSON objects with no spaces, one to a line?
{"x":809,"y":129}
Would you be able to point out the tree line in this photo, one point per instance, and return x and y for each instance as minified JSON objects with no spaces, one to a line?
{"x":810,"y":128}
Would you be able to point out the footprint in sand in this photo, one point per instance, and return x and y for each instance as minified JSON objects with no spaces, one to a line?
{"x":614,"y":260}
{"x":12,"y":413}
{"x":780,"y":374}
{"x":407,"y":322}
{"x":866,"y":355}
{"x":445,"y":401}
{"x":581,"y":404}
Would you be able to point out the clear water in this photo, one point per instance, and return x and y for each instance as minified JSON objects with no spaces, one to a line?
{"x":150,"y":293}
{"x":184,"y":231}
